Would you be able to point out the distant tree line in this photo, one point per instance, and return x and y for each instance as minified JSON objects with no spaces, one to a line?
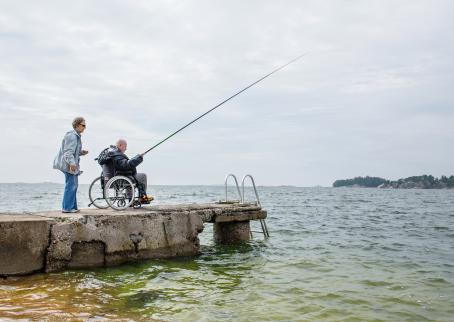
{"x":369,"y":182}
{"x":422,"y":182}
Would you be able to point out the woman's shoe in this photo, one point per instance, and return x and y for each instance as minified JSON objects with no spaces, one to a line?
{"x":72,"y":211}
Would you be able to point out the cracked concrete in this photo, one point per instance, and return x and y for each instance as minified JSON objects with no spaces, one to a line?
{"x":52,"y":241}
{"x":23,"y":243}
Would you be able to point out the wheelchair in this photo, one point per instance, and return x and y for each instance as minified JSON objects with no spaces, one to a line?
{"x":118,"y":192}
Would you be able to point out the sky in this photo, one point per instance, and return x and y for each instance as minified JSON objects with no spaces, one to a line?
{"x":373,"y":96}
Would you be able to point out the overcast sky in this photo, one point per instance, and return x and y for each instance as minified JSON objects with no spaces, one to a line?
{"x":373,"y":96}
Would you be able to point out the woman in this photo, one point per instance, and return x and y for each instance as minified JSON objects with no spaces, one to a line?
{"x":67,"y":161}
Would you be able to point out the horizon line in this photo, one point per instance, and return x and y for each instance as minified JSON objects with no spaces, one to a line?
{"x":202,"y":184}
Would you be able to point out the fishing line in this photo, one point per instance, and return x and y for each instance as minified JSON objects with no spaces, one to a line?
{"x":225,"y":101}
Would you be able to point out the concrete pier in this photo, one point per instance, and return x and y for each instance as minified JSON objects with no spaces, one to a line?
{"x":52,"y":241}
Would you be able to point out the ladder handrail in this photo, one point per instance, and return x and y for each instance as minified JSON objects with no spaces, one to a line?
{"x":236,"y":183}
{"x":253,"y":185}
{"x":262,"y":221}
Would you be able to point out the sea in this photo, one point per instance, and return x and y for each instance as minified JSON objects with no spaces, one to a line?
{"x":334,"y":254}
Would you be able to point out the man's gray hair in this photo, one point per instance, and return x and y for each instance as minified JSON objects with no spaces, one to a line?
{"x":78,"y":120}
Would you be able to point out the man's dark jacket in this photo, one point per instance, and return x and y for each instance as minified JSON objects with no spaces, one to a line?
{"x":122,"y":164}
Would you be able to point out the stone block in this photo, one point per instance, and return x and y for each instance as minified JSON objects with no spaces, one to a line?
{"x":23,"y":243}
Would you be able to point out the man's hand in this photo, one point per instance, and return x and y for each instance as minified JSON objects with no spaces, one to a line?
{"x":83,"y":152}
{"x":72,"y":167}
{"x":142,"y":154}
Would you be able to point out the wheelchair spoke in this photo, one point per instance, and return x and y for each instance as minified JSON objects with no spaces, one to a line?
{"x":119,"y":192}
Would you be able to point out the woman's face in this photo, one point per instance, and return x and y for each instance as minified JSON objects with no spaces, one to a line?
{"x":81,"y":127}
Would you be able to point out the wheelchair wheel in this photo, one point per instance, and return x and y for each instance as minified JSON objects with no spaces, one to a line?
{"x":96,"y":194}
{"x":119,"y":192}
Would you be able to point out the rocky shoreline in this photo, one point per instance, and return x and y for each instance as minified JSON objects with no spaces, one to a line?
{"x":413,"y":185}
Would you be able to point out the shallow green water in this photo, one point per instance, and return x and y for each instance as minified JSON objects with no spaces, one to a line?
{"x":333,"y":255}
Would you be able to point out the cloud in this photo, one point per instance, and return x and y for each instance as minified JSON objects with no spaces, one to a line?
{"x":376,"y":80}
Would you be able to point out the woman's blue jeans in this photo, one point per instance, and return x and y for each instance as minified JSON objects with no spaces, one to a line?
{"x":69,"y":195}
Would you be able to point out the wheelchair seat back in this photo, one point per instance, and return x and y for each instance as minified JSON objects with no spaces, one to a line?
{"x":108,"y":171}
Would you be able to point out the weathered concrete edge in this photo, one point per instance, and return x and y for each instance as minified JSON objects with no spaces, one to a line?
{"x":70,"y":238}
{"x":121,"y":239}
{"x":36,"y":243}
{"x":23,"y":245}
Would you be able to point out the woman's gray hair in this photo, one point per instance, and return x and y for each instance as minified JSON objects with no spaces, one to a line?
{"x":77,"y":121}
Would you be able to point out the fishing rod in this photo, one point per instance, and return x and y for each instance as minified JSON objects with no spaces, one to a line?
{"x":223,"y":102}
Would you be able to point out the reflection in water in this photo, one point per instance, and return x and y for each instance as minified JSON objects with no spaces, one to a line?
{"x":334,"y":254}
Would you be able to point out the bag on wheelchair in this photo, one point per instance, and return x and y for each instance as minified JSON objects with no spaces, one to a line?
{"x":104,"y":157}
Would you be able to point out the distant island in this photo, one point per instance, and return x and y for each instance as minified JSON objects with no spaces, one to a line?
{"x":415,"y":182}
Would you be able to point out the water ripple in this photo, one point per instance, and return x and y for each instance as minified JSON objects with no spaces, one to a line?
{"x":333,"y":255}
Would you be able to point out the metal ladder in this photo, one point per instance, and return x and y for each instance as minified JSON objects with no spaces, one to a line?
{"x":241,"y":195}
{"x":237,"y":188}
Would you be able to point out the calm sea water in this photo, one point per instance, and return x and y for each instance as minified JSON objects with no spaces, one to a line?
{"x":333,"y":255}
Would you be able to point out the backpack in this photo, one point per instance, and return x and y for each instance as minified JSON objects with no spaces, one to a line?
{"x":104,"y":157}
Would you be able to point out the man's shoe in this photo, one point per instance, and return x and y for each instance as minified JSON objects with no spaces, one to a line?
{"x":146,"y":199}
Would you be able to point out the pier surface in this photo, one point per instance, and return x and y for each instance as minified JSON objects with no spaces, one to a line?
{"x":53,"y":241}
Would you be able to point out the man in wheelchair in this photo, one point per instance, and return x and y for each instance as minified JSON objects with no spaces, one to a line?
{"x":117,"y":163}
